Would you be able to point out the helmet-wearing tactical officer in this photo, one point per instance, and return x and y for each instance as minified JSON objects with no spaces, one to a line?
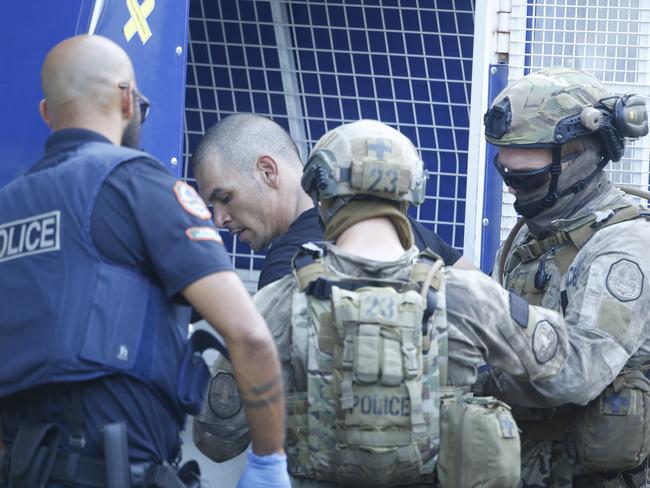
{"x":99,"y":249}
{"x":582,"y":251}
{"x":363,"y":335}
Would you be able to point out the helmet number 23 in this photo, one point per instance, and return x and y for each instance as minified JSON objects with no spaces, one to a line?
{"x":386,"y":179}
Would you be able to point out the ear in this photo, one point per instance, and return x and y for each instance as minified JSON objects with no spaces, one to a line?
{"x":126,"y":102}
{"x":42,"y":109}
{"x":269,"y":170}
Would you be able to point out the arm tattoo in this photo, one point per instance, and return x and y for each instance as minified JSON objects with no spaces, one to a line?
{"x":264,"y":402}
{"x":263,"y":395}
{"x":260,"y":390}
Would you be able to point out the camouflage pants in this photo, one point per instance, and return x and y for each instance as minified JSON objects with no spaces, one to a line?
{"x":308,"y":483}
{"x":551,"y":465}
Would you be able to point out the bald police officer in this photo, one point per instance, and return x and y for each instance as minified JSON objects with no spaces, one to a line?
{"x":582,"y":251}
{"x":101,"y":250}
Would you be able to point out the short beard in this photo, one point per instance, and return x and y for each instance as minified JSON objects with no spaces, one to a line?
{"x":131,"y":134}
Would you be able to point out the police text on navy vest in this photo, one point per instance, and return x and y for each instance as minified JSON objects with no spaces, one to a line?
{"x":33,"y":235}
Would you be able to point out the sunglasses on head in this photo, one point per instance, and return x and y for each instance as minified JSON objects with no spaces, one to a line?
{"x":143,"y":101}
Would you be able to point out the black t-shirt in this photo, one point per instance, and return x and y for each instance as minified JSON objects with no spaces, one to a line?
{"x":307,"y":228}
{"x":137,"y":222}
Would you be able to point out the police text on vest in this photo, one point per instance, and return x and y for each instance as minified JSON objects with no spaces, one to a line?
{"x":33,"y":235}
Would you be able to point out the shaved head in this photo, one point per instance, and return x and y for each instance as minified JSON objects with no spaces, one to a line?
{"x":239,"y":139}
{"x":82,"y":73}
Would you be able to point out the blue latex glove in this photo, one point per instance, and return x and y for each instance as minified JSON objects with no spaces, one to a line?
{"x":265,"y":472}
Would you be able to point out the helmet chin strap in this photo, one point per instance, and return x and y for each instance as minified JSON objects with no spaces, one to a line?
{"x":532,"y":209}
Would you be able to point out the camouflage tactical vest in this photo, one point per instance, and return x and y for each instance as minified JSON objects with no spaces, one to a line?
{"x":375,"y":356}
{"x":536,"y":268}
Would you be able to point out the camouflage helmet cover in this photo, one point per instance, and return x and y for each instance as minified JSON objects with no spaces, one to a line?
{"x":537,"y":102}
{"x":365,"y":157}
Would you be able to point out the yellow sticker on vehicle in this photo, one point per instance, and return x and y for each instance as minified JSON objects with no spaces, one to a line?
{"x":139,"y":13}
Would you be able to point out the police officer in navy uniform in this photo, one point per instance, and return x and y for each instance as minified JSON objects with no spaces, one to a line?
{"x":101,"y":251}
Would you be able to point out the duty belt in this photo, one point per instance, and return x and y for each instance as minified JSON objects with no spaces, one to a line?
{"x":36,"y":459}
{"x":90,"y":472}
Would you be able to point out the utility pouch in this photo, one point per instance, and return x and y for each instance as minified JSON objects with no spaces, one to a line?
{"x":33,"y":455}
{"x":613,"y":431}
{"x":479,"y":444}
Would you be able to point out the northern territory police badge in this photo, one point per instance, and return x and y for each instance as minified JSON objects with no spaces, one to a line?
{"x":625,"y":280}
{"x":223,"y":398}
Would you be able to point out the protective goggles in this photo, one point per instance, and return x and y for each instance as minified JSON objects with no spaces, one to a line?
{"x":524,"y":180}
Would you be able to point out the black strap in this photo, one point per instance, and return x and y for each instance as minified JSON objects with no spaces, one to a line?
{"x":564,"y":301}
{"x":33,"y":455}
{"x":203,"y":340}
{"x":321,"y":288}
{"x":79,"y":470}
{"x":163,"y":476}
{"x":75,"y":418}
{"x":84,"y":471}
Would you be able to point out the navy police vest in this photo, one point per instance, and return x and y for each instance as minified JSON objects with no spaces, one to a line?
{"x":68,"y":315}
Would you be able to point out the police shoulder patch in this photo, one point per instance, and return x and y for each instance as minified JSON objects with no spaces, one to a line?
{"x":544,"y":342}
{"x":625,"y":280}
{"x":204,"y":234}
{"x":191,"y":201}
{"x":223,"y":396}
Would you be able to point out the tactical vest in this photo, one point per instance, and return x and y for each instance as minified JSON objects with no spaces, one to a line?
{"x":536,"y":268}
{"x":375,"y":356}
{"x":67,"y":315}
{"x":606,"y":436}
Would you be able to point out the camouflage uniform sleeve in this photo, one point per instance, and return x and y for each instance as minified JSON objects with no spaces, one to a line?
{"x":606,"y":319}
{"x":488,"y":323}
{"x":220,"y":430}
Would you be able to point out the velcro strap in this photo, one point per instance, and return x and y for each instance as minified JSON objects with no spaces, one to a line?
{"x":410,"y":359}
{"x":373,"y":438}
{"x":366,"y":355}
{"x":347,"y":361}
{"x":347,"y":397}
{"x":391,"y":365}
{"x":417,"y":415}
{"x":327,"y":335}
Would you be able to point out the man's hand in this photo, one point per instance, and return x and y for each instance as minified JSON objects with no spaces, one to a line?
{"x":224,"y":302}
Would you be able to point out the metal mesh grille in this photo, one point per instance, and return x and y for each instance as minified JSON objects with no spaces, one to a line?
{"x":312,"y":65}
{"x":609,"y":38}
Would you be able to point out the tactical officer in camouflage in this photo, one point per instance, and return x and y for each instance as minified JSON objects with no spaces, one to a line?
{"x":380,"y":344}
{"x":581,"y":251}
